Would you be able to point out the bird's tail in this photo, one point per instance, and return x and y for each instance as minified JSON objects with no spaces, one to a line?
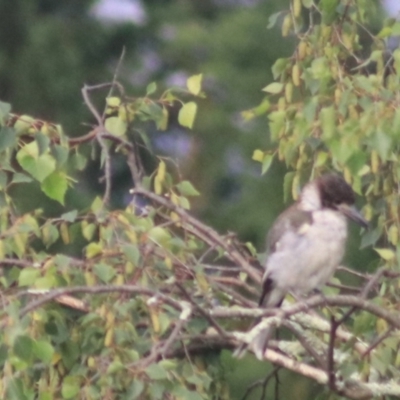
{"x":259,"y":343}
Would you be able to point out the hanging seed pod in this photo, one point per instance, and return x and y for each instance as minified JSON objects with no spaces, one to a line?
{"x":338,"y":95}
{"x":289,"y":92}
{"x":347,"y":175}
{"x":296,"y":186}
{"x":368,"y":212}
{"x":287,"y":25}
{"x":302,"y":50}
{"x":296,"y":8}
{"x":374,"y":161}
{"x":296,"y":75}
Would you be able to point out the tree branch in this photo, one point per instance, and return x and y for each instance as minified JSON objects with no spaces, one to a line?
{"x":216,"y":239}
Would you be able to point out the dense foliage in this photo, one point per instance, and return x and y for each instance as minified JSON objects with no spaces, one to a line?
{"x":102,"y":302}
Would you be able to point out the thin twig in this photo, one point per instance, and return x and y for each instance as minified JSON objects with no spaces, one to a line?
{"x":90,"y":105}
{"x":312,"y":302}
{"x":107,"y":168}
{"x":206,"y":315}
{"x":114,"y":80}
{"x":234,"y":295}
{"x":261,"y":382}
{"x":183,"y":318}
{"x":49,"y":295}
{"x":377,"y":341}
{"x":214,"y":237}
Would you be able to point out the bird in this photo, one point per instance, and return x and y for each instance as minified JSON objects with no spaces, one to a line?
{"x":305,"y":246}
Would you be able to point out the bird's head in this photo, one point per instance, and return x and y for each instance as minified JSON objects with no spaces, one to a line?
{"x":333,"y":192}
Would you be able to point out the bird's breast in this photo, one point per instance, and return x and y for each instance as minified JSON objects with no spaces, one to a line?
{"x":306,"y":259}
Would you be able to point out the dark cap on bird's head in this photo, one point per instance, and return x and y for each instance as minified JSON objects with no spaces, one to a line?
{"x":337,"y":194}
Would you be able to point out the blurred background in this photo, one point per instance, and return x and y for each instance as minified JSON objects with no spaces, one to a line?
{"x":50,"y":49}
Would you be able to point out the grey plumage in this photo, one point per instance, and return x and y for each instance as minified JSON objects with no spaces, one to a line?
{"x":305,"y":245}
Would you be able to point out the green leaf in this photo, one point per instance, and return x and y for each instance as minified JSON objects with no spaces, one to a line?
{"x":194,"y":84}
{"x":70,"y":216}
{"x":113,"y":101}
{"x":38,"y":166}
{"x":19,"y":177}
{"x":328,"y":122}
{"x":328,"y":8}
{"x":277,"y":123}
{"x":272,"y":19}
{"x":22,"y":124}
{"x":70,"y":387}
{"x":258,"y":155}
{"x":320,"y":69}
{"x":15,"y":390}
{"x":88,"y":230}
{"x":93,"y":249}
{"x":187,"y":114}
{"x":23,"y":347}
{"x":184,"y":203}
{"x":31,"y":149}
{"x":267,"y":162}
{"x":135,"y":389}
{"x":43,"y":350}
{"x":151,"y":88}
{"x":8,"y":138}
{"x":104,"y":272}
{"x":79,"y":161}
{"x":5,"y":109}
{"x":132,"y":253}
{"x":62,"y":261}
{"x":156,"y":372}
{"x":341,"y":150}
{"x":279,"y":67}
{"x":45,"y":282}
{"x":386,"y":254}
{"x":382,"y":144}
{"x":116,"y":126}
{"x":159,"y":235}
{"x":357,"y":161}
{"x":97,"y":205}
{"x":115,"y":367}
{"x":187,"y":189}
{"x":60,"y":153}
{"x":169,"y":365}
{"x":49,"y":234}
{"x":55,"y":186}
{"x":28,"y":276}
{"x":385,"y":32}
{"x":274,"y":88}
{"x":43,"y":142}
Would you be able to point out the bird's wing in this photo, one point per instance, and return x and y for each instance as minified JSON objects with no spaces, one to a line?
{"x":298,"y":222}
{"x":283,"y":224}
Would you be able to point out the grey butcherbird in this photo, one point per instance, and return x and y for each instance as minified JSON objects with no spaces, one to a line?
{"x":305,"y":245}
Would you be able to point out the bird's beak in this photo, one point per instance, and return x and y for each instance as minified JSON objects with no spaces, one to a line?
{"x":353,"y":214}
